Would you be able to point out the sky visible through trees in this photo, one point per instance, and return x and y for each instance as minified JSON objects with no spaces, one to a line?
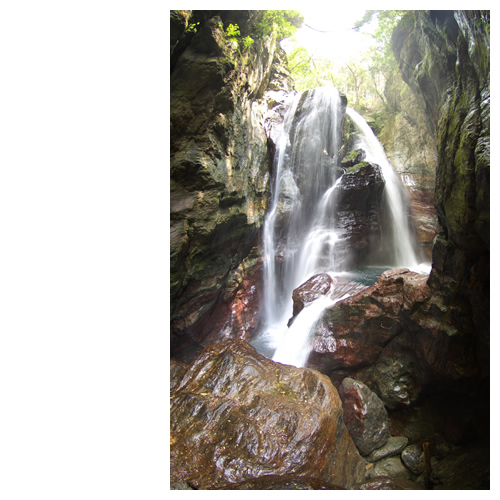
{"x":328,"y":50}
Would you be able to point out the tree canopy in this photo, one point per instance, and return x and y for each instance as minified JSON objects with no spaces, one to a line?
{"x":362,"y":80}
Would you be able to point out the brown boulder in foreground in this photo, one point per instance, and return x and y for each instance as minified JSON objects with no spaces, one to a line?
{"x":236,"y":415}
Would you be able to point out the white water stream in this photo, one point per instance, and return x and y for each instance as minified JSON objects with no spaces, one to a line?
{"x":300,"y":239}
{"x":403,"y":252}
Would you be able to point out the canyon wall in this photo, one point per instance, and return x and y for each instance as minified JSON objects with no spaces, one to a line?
{"x":444,"y":58}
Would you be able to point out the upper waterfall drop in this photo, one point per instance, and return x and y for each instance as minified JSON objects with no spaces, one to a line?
{"x":303,"y":235}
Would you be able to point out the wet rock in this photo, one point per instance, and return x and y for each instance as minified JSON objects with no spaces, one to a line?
{"x":237,"y":416}
{"x":466,"y":468}
{"x":364,"y":415}
{"x":399,"y":375}
{"x":423,"y":214}
{"x":392,"y":467}
{"x":236,"y":313}
{"x":394,"y":446}
{"x":387,"y":483}
{"x":359,"y":214}
{"x":176,"y":369}
{"x":283,"y":483}
{"x":413,"y":458}
{"x":354,"y":331}
{"x":322,"y":284}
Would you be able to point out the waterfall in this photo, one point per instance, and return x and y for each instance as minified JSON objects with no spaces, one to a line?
{"x":300,"y":239}
{"x":403,"y":251}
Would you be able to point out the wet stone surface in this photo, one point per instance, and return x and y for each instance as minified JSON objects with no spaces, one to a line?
{"x":237,"y":416}
{"x":365,"y":415}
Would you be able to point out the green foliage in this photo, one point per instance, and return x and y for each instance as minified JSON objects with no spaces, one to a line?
{"x":247,"y":42}
{"x":232,"y":31}
{"x":363,"y":80}
{"x":284,"y":22}
{"x":192,"y":28}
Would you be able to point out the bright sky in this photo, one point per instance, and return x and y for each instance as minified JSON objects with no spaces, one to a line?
{"x":340,"y":43}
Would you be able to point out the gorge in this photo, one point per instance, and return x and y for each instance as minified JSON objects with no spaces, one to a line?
{"x":313,"y":346}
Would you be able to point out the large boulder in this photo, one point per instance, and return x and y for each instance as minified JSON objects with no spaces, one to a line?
{"x":364,"y":415}
{"x":359,"y":212}
{"x":354,"y":332}
{"x":238,"y":416}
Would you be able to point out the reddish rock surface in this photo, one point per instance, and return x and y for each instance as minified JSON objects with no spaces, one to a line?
{"x":354,"y":331}
{"x":423,"y":217}
{"x":322,"y":284}
{"x":237,"y":311}
{"x":364,"y":415}
{"x":286,"y":482}
{"x":238,"y":416}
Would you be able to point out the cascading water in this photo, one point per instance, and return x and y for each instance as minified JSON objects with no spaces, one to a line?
{"x":403,"y":252}
{"x":300,"y":239}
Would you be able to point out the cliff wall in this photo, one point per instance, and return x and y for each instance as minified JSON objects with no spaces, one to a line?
{"x":444,"y":58}
{"x":224,"y":96}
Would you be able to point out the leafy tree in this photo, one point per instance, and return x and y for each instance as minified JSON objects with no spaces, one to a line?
{"x":362,"y":80}
{"x":380,"y":60}
{"x":284,"y":22}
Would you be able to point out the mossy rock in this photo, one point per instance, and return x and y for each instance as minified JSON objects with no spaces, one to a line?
{"x":353,"y":158}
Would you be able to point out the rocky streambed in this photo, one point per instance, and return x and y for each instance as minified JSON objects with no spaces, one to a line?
{"x":375,"y":418}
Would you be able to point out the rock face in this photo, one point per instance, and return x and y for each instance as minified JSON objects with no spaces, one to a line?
{"x":359,"y":212}
{"x":444,"y":58}
{"x":222,"y":99}
{"x":237,"y":416}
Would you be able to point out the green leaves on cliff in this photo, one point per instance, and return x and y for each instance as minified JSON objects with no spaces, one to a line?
{"x":282,"y":22}
{"x":193,"y":27}
{"x":233,"y":32}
